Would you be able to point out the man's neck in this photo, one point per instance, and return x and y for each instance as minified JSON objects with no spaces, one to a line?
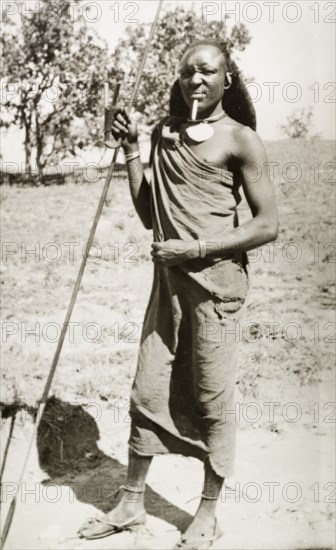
{"x":213,"y":111}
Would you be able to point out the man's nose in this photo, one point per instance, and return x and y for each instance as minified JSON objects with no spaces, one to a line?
{"x":196,"y":78}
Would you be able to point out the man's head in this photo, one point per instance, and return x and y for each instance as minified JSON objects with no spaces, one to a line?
{"x":208,"y":73}
{"x":203,"y":71}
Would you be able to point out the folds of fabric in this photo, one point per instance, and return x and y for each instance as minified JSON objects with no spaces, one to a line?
{"x":183,"y":391}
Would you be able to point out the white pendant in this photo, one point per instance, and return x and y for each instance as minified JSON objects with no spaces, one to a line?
{"x":200,"y":132}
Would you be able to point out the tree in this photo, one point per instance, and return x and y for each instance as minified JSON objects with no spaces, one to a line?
{"x":298,"y":123}
{"x":54,"y":67}
{"x":177,"y":28}
{"x":52,"y":74}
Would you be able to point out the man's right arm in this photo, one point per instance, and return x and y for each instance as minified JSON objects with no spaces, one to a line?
{"x":122,"y":128}
{"x":139,"y":187}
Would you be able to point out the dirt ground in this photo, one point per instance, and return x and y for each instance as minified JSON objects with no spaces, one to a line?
{"x":282,"y":495}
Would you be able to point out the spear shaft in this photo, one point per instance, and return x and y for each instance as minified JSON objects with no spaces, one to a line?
{"x":43,"y":401}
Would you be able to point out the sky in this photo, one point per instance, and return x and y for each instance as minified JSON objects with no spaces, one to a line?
{"x":291,"y":56}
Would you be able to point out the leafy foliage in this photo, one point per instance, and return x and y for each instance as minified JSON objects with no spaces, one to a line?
{"x":176,"y":30}
{"x":54,"y":67}
{"x":298,"y":123}
{"x":52,"y":72}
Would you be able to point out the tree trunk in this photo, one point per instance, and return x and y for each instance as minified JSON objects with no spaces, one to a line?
{"x":39,"y":151}
{"x":27,"y":148}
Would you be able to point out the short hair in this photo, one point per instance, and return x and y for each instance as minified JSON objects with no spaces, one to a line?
{"x":236,"y":100}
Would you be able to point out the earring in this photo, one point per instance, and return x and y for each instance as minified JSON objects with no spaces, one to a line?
{"x":229,"y":79}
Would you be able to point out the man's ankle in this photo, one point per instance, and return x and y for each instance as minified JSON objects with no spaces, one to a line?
{"x":132,"y":506}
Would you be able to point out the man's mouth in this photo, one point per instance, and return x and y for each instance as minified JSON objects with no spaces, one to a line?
{"x":196,"y":95}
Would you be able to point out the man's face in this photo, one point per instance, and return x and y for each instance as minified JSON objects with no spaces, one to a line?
{"x":202,"y":75}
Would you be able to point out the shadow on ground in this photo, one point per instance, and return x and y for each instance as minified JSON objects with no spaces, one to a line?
{"x":68,"y":452}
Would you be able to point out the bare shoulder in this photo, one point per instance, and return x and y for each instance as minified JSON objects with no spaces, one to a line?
{"x":246,"y":143}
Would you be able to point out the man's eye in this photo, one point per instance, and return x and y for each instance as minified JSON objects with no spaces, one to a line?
{"x":187,"y":72}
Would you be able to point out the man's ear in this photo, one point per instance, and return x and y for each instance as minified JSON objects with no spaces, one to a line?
{"x":227,"y":81}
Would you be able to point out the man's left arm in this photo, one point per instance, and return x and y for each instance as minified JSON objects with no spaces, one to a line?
{"x":263,"y":227}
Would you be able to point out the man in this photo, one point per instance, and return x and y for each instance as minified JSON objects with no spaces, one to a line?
{"x":185,"y":378}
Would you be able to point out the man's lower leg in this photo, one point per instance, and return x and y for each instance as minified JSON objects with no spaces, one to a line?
{"x":204,"y":522}
{"x":134,"y":488}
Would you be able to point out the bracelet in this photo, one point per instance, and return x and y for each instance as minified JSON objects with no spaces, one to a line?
{"x":202,"y":249}
{"x":132,"y":156}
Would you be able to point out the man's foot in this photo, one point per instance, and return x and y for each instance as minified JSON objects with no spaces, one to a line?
{"x":124,"y":516}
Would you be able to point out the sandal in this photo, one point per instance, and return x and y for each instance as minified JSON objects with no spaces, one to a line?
{"x":96,"y":525}
{"x":201,"y":543}
{"x":101,"y":526}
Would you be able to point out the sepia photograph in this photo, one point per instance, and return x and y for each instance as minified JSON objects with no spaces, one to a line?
{"x":168,"y":250}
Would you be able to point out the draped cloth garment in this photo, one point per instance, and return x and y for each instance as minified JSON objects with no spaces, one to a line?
{"x":184,"y":386}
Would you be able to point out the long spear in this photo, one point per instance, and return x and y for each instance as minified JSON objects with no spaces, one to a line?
{"x":43,"y":401}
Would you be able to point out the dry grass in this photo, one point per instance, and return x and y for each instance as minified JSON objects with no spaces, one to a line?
{"x":115,"y":287}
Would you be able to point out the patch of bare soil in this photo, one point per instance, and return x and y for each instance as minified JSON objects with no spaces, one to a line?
{"x":282,"y":494}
